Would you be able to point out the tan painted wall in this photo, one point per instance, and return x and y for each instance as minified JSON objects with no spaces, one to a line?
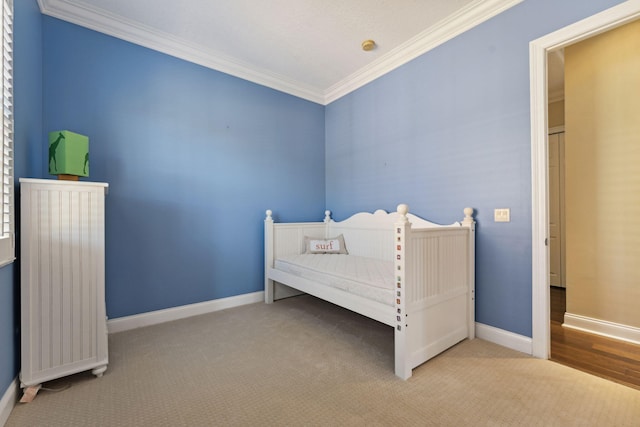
{"x":556,"y":113}
{"x":602,"y":114}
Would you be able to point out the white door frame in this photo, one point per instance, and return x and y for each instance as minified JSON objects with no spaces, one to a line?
{"x":538,"y":49}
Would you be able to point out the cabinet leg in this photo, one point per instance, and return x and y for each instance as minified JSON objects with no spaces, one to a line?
{"x":99,"y":371}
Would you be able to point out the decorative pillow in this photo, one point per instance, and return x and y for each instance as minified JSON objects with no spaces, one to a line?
{"x":334,"y":245}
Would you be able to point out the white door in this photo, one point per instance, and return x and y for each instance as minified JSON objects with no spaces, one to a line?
{"x":556,"y":209}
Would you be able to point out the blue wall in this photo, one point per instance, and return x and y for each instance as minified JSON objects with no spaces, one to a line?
{"x":452,"y":129}
{"x":193,"y":158}
{"x":27,"y":154}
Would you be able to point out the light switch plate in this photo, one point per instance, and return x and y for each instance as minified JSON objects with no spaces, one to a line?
{"x":502,"y":215}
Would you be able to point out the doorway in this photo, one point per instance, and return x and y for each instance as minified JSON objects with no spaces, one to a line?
{"x":539,"y":49}
{"x":610,"y":358}
{"x":556,"y":208}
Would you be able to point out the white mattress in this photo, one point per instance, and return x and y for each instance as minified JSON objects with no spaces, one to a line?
{"x":367,"y":277}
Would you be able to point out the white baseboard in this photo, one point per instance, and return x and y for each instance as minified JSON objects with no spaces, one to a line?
{"x":504,"y":338}
{"x":126,"y":323}
{"x":8,"y":401}
{"x":602,"y":327}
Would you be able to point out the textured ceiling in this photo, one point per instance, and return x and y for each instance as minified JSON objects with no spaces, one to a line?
{"x":309,"y":48}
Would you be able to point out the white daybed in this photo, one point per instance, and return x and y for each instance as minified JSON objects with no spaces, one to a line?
{"x":401,"y":270}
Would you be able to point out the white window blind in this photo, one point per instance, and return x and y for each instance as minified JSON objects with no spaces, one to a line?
{"x":7,"y":246}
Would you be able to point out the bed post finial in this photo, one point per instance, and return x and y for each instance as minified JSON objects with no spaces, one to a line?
{"x":269,"y":213}
{"x":403,"y":209}
{"x":468,"y":217}
{"x":327,"y":216}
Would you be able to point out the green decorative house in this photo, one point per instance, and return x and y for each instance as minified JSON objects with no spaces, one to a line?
{"x":68,"y":153}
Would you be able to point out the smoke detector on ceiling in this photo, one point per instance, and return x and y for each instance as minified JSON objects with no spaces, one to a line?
{"x":368,"y":45}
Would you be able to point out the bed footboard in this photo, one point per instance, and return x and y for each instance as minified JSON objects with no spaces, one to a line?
{"x":435,"y":290}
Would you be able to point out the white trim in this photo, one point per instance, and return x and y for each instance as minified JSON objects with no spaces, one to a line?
{"x":8,"y":401}
{"x":504,"y":338}
{"x":556,"y":129}
{"x":556,"y":96}
{"x":602,"y":327}
{"x":538,"y":49}
{"x":8,"y":261}
{"x":475,"y":13}
{"x":102,"y":21}
{"x":7,"y":135}
{"x":126,"y":323}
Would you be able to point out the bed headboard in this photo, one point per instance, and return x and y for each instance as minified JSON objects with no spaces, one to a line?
{"x":365,"y":234}
{"x":371,"y":234}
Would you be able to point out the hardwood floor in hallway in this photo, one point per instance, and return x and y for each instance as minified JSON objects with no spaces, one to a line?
{"x":608,"y":358}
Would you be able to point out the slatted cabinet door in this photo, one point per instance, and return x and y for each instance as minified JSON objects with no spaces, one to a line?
{"x":63,"y":316}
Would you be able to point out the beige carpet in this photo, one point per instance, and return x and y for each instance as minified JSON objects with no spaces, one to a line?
{"x":304,"y":362}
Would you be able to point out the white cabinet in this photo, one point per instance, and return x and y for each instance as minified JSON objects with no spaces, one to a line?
{"x":63,"y":315}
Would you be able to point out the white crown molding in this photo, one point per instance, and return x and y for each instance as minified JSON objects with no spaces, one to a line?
{"x":463,"y":20}
{"x":104,"y":22}
{"x":556,"y":129}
